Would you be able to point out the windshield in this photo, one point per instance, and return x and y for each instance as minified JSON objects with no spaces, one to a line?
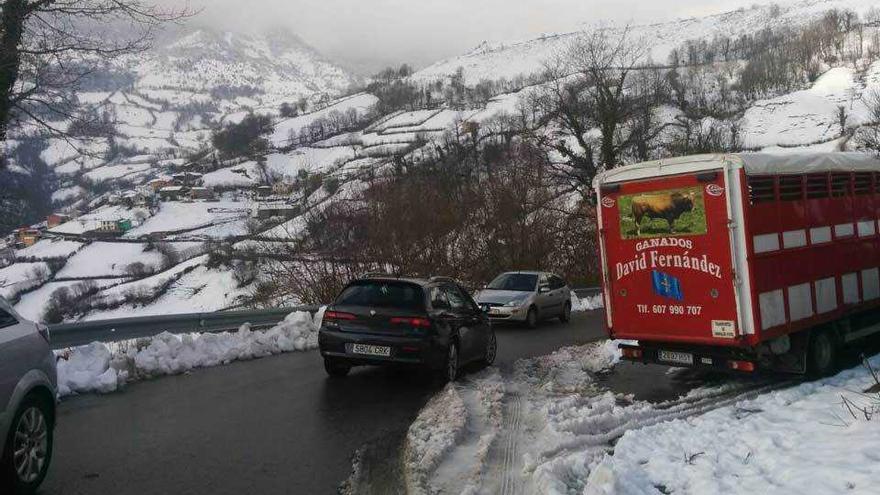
{"x":515,"y":281}
{"x":383,"y":294}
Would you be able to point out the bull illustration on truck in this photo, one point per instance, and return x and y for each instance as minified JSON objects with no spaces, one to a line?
{"x":768,"y":262}
{"x":669,"y":207}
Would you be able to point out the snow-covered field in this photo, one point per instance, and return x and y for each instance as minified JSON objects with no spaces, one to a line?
{"x":104,"y":368}
{"x":176,"y":217}
{"x":49,"y":249}
{"x":109,"y":259}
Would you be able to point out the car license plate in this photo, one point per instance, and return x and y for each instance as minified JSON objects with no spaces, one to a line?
{"x":676,"y":357}
{"x":371,"y":350}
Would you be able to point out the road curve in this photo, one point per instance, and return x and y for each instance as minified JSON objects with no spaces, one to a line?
{"x":271,"y":426}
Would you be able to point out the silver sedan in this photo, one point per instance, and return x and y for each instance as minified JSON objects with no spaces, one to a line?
{"x":526,"y":297}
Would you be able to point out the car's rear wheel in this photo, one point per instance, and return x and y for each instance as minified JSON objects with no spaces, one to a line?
{"x":335,"y":368}
{"x":565,"y":317}
{"x":491,"y":349}
{"x":822,"y":355}
{"x":28,"y":453}
{"x":451,"y":370}
{"x":532,"y":318}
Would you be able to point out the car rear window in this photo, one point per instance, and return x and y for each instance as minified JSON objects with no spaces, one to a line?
{"x":383,"y":294}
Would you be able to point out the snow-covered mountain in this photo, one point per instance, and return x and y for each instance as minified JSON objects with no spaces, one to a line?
{"x":164,"y":103}
{"x":276,"y":64}
{"x":510,"y":59}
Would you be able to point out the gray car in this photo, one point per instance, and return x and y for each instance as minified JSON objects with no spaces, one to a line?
{"x":526,"y":297}
{"x":27,"y":402}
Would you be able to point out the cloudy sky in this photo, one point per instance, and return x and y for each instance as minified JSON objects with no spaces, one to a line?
{"x":368,"y":34}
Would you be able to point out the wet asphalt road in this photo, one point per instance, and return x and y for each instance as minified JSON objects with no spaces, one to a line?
{"x":271,"y":426}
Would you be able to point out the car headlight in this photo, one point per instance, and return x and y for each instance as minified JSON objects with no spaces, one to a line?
{"x":515,"y":303}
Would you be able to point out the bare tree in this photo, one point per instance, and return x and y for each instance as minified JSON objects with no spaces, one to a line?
{"x":598,"y":102}
{"x":842,"y":117}
{"x":868,"y":136}
{"x":49,"y":47}
{"x":606,"y":61}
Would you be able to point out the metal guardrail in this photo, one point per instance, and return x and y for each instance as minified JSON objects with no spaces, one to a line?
{"x":75,"y":334}
{"x":115,"y":330}
{"x":587,"y":291}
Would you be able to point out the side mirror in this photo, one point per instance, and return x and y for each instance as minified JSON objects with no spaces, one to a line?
{"x":543,"y":289}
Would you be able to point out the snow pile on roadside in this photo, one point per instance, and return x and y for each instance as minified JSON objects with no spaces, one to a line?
{"x":431,"y":436}
{"x":448,"y":444}
{"x":484,"y":427}
{"x":797,"y":440}
{"x":589,"y":303}
{"x":90,"y":368}
{"x":103,"y":368}
{"x":569,"y":369}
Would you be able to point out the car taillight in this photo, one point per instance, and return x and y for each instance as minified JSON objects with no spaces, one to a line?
{"x":43,"y":330}
{"x":337,"y":316}
{"x":412,"y":321}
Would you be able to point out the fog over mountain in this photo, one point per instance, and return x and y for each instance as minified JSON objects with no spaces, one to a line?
{"x":369,"y":34}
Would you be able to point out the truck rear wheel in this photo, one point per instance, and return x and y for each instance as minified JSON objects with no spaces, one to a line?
{"x":822,"y":354}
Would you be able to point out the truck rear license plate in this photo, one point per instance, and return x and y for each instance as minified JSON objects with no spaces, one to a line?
{"x":676,"y":357}
{"x":371,"y":350}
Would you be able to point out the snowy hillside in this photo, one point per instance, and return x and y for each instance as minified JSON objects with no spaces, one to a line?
{"x":492,"y":61}
{"x":164,"y":103}
{"x":190,"y":249}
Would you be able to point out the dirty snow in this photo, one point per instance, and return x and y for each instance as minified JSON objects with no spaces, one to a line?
{"x":104,"y":368}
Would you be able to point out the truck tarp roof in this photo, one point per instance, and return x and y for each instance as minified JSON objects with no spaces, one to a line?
{"x":807,"y":163}
{"x":753,"y":163}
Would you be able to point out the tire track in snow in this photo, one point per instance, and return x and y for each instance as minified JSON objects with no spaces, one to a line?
{"x":596,"y":433}
{"x":667,"y":411}
{"x":511,"y":481}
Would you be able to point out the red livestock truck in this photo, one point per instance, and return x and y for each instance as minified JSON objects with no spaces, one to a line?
{"x":741,"y":261}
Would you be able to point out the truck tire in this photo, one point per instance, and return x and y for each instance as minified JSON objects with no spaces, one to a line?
{"x":822,"y":354}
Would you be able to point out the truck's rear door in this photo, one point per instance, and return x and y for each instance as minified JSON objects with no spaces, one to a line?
{"x":668,"y":268}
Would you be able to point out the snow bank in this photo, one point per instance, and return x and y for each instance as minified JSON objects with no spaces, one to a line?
{"x":589,"y":303}
{"x":448,"y":444}
{"x":798,"y":440}
{"x":104,"y":368}
{"x":90,"y":369}
{"x":432,"y":435}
